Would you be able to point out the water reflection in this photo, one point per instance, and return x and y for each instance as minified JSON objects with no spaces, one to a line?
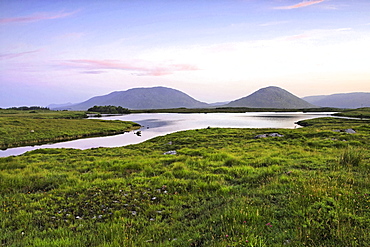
{"x":156,"y":124}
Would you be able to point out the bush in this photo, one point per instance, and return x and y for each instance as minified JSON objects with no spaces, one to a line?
{"x":110,"y":109}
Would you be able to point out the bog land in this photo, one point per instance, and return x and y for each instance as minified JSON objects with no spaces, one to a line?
{"x":208,"y":187}
{"x":21,"y":128}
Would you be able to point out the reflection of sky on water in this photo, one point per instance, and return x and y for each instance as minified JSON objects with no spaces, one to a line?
{"x":156,"y":124}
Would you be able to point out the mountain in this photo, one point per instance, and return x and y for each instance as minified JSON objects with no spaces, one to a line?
{"x":219,"y":103}
{"x":55,"y":106}
{"x":341,"y":100}
{"x":142,"y":98}
{"x":271,"y":97}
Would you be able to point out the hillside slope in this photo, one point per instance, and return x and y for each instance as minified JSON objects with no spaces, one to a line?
{"x":342,"y":100}
{"x":271,"y":97}
{"x":143,"y":98}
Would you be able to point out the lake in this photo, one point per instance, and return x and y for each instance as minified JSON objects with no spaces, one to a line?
{"x":157,"y":124}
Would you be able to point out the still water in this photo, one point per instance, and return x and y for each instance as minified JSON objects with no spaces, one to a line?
{"x":157,"y":124}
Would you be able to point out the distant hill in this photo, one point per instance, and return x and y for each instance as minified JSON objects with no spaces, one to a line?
{"x":142,"y":98}
{"x":342,"y":100}
{"x":219,"y":103}
{"x":271,"y":97}
{"x":56,"y":106}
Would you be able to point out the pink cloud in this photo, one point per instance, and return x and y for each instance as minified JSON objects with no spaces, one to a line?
{"x":301,"y":5}
{"x":17,"y":54}
{"x":140,"y":68}
{"x":35,"y":17}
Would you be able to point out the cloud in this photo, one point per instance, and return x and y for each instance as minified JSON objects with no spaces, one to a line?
{"x":93,"y":72}
{"x":317,"y":34}
{"x":17,"y":54}
{"x":140,"y":68}
{"x":301,"y":5}
{"x":273,"y":23}
{"x":71,"y":36}
{"x":36,"y":17}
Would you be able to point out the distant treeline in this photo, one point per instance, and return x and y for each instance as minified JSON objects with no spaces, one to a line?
{"x":29,"y":108}
{"x":109,"y":109}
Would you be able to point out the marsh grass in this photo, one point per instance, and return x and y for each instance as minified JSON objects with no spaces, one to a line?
{"x":222,"y":188}
{"x":351,"y":156}
{"x":18,"y":128}
{"x":363,"y":112}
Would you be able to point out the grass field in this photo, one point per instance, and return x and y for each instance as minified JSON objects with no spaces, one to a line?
{"x":357,"y":113}
{"x":219,"y":187}
{"x":19,"y":128}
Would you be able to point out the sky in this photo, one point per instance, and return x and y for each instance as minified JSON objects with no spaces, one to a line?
{"x":213,"y":50}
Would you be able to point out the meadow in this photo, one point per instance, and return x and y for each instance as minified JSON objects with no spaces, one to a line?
{"x":207,"y":187}
{"x":20,"y":128}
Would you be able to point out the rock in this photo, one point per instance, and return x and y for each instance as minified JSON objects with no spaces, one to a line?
{"x":260,"y":136}
{"x":275,"y":135}
{"x":172,"y":152}
{"x":268,"y":135}
{"x":350,"y":131}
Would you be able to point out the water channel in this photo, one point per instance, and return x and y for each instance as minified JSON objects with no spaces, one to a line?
{"x":158,"y":124}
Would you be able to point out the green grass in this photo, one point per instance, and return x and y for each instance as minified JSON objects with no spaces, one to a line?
{"x":356,"y":113}
{"x":331,"y":123}
{"x":222,"y":188}
{"x":19,"y":128}
{"x":42,"y":114}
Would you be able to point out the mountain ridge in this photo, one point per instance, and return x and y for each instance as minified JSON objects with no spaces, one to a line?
{"x":166,"y":98}
{"x":341,"y":100}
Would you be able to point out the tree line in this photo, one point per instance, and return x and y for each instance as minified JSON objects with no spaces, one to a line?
{"x":109,"y":109}
{"x":29,"y":108}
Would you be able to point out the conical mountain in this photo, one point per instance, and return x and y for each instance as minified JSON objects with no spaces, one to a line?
{"x":271,"y":97}
{"x":143,"y":98}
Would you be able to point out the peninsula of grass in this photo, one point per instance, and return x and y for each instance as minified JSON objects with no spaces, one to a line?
{"x":210,"y":187}
{"x":20,"y":128}
{"x":355,"y":113}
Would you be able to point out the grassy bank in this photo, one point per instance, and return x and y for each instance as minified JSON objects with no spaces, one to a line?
{"x":356,"y":113}
{"x":19,"y":128}
{"x":223,"y":187}
{"x":43,"y":114}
